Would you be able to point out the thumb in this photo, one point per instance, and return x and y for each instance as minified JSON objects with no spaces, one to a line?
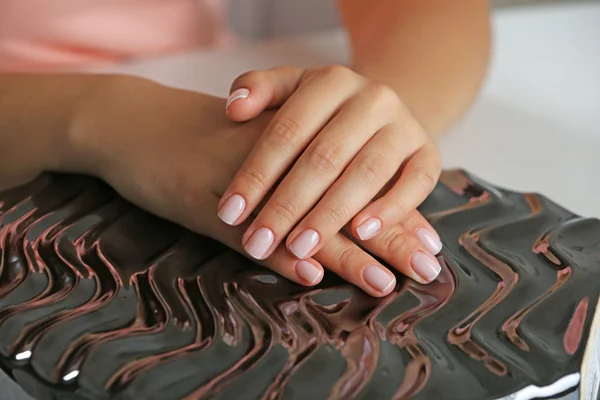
{"x":256,"y":91}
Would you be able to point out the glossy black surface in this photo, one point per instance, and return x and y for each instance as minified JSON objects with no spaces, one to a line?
{"x":98,"y":299}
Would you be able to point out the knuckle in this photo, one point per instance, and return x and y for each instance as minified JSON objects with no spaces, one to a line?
{"x":255,"y":178}
{"x":348,"y":257}
{"x":324,"y":159}
{"x":336,"y":216}
{"x":384,"y":95}
{"x":393,"y":241}
{"x":425,"y":178}
{"x":310,"y":76}
{"x":285,"y":209}
{"x":399,"y":210}
{"x":285,"y":132}
{"x":336,"y":70}
{"x":372,"y":168}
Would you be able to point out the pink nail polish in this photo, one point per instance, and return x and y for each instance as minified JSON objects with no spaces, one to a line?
{"x":260,"y":242}
{"x":241,"y":93}
{"x":369,"y":228}
{"x":304,"y":243}
{"x":425,"y":266}
{"x":308,"y":271}
{"x":377,"y":278}
{"x":429,"y":240}
{"x":232,"y":209}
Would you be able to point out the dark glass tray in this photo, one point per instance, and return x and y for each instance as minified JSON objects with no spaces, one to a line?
{"x":99,"y":299}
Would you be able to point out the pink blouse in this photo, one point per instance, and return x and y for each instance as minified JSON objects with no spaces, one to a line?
{"x":38,"y":35}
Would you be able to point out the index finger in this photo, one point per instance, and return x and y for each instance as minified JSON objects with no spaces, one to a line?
{"x":287,"y":135}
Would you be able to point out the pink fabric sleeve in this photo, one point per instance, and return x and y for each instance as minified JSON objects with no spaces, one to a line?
{"x":38,"y":35}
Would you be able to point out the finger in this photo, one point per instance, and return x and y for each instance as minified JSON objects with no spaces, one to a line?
{"x":255,"y":91}
{"x":317,"y":170}
{"x":286,"y":136}
{"x":305,"y":272}
{"x":403,"y":251}
{"x":416,"y":224}
{"x":417,"y":179}
{"x":367,"y":173}
{"x":343,"y":257}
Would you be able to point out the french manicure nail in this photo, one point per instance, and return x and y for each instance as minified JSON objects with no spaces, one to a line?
{"x":260,"y":242}
{"x":369,"y":228}
{"x":377,"y":278}
{"x":304,"y":243}
{"x":425,"y":266}
{"x":241,"y":93}
{"x":308,"y":271}
{"x":232,"y":209}
{"x":429,"y":240}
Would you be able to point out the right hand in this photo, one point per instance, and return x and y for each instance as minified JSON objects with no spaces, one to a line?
{"x":336,"y":142}
{"x":174,"y":152}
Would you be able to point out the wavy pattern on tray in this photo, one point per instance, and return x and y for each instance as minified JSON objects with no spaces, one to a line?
{"x":100,"y":300}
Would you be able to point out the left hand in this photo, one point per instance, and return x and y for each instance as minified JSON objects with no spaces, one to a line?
{"x":336,"y":142}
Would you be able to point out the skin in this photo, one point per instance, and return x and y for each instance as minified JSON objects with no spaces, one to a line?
{"x":96,"y":125}
{"x":341,"y":152}
{"x":341,"y":135}
{"x":108,"y":117}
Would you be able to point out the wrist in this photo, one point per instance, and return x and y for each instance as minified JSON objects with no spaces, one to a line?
{"x":98,"y":121}
{"x":36,"y":115}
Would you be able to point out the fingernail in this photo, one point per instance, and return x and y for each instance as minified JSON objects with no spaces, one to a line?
{"x":241,"y":93}
{"x":377,"y":278}
{"x":308,"y":271}
{"x":260,"y":242}
{"x":429,"y":240}
{"x":426,"y":267}
{"x":232,"y":209}
{"x":369,"y":228}
{"x":304,"y":243}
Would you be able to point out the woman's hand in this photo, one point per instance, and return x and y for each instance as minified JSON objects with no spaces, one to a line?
{"x":174,"y":152}
{"x":337,"y":140}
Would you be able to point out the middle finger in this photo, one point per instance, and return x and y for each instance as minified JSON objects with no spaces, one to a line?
{"x":313,"y":174}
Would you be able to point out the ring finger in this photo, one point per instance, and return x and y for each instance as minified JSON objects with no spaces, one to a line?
{"x":312,"y":175}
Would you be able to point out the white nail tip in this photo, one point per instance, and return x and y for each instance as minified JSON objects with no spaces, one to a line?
{"x":242,"y":93}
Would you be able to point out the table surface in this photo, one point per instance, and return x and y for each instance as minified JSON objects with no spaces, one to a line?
{"x":533,"y":128}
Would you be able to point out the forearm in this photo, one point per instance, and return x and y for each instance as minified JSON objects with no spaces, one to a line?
{"x":434,"y":53}
{"x":37,"y":113}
